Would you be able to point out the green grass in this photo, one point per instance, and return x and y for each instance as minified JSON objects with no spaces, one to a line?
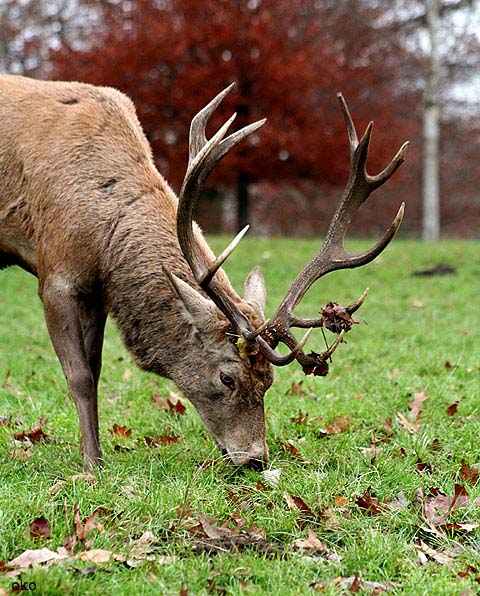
{"x":415,"y":325}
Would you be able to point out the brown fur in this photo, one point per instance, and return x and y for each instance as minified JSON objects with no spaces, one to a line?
{"x":83,"y":208}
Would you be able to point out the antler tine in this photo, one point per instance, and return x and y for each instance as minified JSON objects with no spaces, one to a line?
{"x":351,"y":130}
{"x":203,"y":156}
{"x":332,"y":255}
{"x":199,"y":122}
{"x":334,"y":346}
{"x":351,"y":308}
{"x":207,"y":276}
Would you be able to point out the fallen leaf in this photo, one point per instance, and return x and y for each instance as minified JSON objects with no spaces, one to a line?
{"x":174,"y":406}
{"x":416,"y":406}
{"x":32,"y":557}
{"x":452,"y":409}
{"x":437,"y":506}
{"x":371,"y":453}
{"x":353,"y":584}
{"x":34,"y":435}
{"x":312,"y":543}
{"x":58,"y":486}
{"x":95,"y":555}
{"x":338,"y":425}
{"x":84,"y":527}
{"x":392,"y":374}
{"x":161,"y":440}
{"x":469,"y":474}
{"x":20,"y":453}
{"x":400,"y":502}
{"x":211,"y":530}
{"x":39,"y":528}
{"x":289,"y":447}
{"x":438,"y":556}
{"x":141,"y":549}
{"x":422,"y":466}
{"x":411,"y":426}
{"x":371,"y":505}
{"x":120,"y":431}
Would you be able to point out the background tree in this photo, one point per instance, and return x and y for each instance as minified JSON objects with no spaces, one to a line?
{"x":288,"y":59}
{"x":444,"y":35}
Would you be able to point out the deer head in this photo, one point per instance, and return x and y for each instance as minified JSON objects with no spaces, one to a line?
{"x":227,"y":386}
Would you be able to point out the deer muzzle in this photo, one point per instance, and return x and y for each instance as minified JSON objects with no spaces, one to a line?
{"x":255,"y":456}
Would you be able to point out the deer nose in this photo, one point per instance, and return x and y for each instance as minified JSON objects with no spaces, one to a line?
{"x":256,"y":464}
{"x":254,"y":458}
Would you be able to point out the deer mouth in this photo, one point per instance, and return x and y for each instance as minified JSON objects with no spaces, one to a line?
{"x":243,"y":458}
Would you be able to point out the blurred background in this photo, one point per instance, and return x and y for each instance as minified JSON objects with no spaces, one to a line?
{"x":411,"y":66}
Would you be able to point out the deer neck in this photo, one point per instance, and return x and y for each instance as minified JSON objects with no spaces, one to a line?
{"x":142,"y":244}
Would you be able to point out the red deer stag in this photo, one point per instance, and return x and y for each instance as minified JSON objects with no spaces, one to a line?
{"x":83,"y":208}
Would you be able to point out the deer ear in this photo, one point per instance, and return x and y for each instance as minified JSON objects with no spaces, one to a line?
{"x":194,"y":308}
{"x":254,"y":290}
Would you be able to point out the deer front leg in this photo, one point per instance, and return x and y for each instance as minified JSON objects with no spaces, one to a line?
{"x":73,"y":331}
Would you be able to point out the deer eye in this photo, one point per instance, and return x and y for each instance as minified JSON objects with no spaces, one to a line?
{"x":227,"y":381}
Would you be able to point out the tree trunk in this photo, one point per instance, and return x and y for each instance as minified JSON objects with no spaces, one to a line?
{"x":243,"y":200}
{"x":431,"y":131}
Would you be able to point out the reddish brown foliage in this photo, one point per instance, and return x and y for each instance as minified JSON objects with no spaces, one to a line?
{"x":34,"y":435}
{"x":288,"y":59}
{"x":120,"y":431}
{"x":161,"y":440}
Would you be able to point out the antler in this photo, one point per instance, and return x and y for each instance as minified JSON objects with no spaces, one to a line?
{"x":332,"y":254}
{"x":204,"y":155}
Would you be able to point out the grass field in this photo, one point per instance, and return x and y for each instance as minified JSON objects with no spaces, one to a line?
{"x":370,"y":456}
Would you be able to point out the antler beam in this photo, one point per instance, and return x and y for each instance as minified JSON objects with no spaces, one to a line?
{"x":332,"y":255}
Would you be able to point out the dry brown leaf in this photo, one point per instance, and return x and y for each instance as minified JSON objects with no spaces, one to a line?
{"x":336,"y":318}
{"x":370,"y":504}
{"x":438,"y":556}
{"x":172,"y":404}
{"x":20,"y":453}
{"x":452,"y":409}
{"x":84,"y":527}
{"x":400,"y":502}
{"x":211,"y":530}
{"x":58,"y":486}
{"x":120,"y":431}
{"x":95,"y":555}
{"x":416,"y":406}
{"x":437,"y":506}
{"x":161,"y":440}
{"x":287,"y":446}
{"x":468,"y":473}
{"x":338,"y":425}
{"x":411,"y":426}
{"x":353,"y":584}
{"x":39,"y":528}
{"x":301,"y":418}
{"x":33,"y":435}
{"x":32,"y":557}
{"x":312,"y":543}
{"x":141,"y":550}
